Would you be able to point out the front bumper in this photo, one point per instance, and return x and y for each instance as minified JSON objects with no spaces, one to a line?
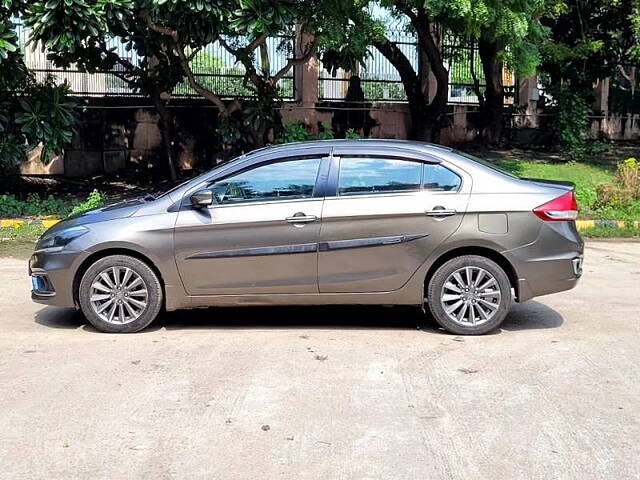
{"x":52,"y":275}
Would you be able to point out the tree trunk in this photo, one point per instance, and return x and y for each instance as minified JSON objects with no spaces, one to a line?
{"x":421,"y":128}
{"x":492,"y":109}
{"x":430,"y":44}
{"x":167,"y":134}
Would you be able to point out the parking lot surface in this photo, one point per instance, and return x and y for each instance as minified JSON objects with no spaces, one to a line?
{"x":328,"y":393}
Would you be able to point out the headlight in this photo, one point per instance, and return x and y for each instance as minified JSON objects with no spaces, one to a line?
{"x":59,"y":239}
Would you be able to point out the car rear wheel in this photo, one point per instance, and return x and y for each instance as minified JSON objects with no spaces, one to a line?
{"x":469,"y":295}
{"x":120,"y":294}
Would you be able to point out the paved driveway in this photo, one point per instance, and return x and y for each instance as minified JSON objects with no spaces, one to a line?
{"x":328,"y":393}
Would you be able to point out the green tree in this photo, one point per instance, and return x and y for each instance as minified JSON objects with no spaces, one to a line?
{"x":589,"y":41}
{"x":78,"y":32}
{"x":507,"y":31}
{"x":32,"y":113}
{"x":242,"y":27}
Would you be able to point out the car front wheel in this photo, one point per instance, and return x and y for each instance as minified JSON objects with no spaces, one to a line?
{"x":120,"y":294}
{"x":469,"y":295}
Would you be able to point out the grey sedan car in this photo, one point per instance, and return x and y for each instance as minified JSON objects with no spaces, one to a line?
{"x":317,"y":223}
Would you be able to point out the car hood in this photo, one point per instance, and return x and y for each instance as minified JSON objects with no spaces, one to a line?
{"x":110,"y":212}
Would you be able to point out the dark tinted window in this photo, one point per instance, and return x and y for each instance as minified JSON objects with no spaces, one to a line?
{"x":440,"y":179}
{"x":361,"y":176}
{"x":275,"y":181}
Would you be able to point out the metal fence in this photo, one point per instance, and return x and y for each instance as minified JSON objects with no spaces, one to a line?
{"x":381,"y":81}
{"x":214,"y":67}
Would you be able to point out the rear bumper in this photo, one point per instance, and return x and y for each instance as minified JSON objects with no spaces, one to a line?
{"x":551,"y":264}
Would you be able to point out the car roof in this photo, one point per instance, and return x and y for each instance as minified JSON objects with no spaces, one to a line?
{"x":423,"y":147}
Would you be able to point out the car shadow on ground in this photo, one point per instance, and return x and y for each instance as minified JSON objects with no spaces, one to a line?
{"x":531,"y":315}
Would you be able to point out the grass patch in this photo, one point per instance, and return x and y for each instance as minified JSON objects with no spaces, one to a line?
{"x":591,"y":174}
{"x":19,"y":242}
{"x":610,"y":232}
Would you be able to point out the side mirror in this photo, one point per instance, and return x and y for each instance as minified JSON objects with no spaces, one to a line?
{"x":202,"y":198}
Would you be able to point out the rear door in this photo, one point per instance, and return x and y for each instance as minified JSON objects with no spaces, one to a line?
{"x":260,"y":237}
{"x":383,"y":217}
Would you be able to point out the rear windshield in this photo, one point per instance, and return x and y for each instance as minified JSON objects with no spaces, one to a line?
{"x":487,"y":164}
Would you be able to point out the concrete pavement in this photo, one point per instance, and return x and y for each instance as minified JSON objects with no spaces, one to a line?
{"x":328,"y":393}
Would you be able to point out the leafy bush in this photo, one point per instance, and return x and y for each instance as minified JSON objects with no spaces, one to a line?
{"x":93,"y":201}
{"x":587,"y":196}
{"x":628,"y":176}
{"x":352,"y":134}
{"x":327,"y":132}
{"x":33,"y":205}
{"x":626,"y":188}
{"x":295,"y":132}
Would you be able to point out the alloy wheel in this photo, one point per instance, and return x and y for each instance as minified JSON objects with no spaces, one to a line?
{"x":118,"y":295}
{"x":470,"y":296}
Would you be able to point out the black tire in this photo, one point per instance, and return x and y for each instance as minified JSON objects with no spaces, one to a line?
{"x":154,"y":294}
{"x":435,"y":290}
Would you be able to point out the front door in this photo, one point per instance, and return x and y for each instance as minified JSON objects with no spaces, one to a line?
{"x":260,"y":236}
{"x":387,"y":216}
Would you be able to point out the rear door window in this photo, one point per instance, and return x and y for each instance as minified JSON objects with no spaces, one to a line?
{"x":365,"y":176}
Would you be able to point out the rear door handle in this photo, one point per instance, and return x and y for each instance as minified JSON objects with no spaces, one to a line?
{"x":440,"y":212}
{"x":301,"y":218}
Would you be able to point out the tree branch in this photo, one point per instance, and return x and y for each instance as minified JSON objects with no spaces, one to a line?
{"x":294,"y":61}
{"x":146,"y":16}
{"x":184,"y":61}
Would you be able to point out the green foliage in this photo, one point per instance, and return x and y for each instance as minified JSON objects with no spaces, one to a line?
{"x":33,"y":113}
{"x":351,"y":134}
{"x":8,"y":40}
{"x":629,"y":231}
{"x":345,"y":44}
{"x":626,"y":189}
{"x":327,"y":132}
{"x":571,"y":121}
{"x":297,"y":131}
{"x":33,"y":205}
{"x":589,"y":39}
{"x":93,"y":201}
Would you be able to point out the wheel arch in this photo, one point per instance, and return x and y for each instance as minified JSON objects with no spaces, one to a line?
{"x":107,"y":252}
{"x":486,"y":252}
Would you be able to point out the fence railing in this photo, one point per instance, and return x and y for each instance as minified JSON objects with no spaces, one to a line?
{"x":214,"y":67}
{"x":381,"y":82}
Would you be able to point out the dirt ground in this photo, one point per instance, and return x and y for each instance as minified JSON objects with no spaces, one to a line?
{"x":328,"y":393}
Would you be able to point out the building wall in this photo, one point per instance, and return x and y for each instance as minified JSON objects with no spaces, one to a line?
{"x":118,"y":134}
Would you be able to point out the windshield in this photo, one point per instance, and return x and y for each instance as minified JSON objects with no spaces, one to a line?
{"x":196,"y":179}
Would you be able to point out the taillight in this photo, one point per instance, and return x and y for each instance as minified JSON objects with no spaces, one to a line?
{"x":559,"y":209}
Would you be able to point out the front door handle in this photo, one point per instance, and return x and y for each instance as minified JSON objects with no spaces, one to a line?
{"x":300,"y":217}
{"x":440,"y":211}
